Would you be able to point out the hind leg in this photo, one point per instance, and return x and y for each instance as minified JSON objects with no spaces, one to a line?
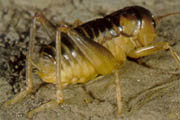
{"x":51,"y":30}
{"x":29,"y":81}
{"x":59,"y":92}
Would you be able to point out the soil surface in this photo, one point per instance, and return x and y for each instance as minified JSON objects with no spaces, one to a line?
{"x":150,"y":90}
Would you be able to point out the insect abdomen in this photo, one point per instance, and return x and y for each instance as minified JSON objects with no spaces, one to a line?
{"x":98,"y":30}
{"x":75,"y":67}
{"x":120,"y":26}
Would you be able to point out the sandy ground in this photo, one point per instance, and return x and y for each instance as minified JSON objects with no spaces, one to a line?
{"x":150,"y":91}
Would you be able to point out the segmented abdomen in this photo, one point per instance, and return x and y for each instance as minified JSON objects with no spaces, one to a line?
{"x":75,"y":66}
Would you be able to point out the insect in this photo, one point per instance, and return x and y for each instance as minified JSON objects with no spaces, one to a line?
{"x":98,"y":47}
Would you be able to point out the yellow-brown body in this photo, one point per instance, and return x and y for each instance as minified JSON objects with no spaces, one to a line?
{"x":137,"y":31}
{"x":98,"y":47}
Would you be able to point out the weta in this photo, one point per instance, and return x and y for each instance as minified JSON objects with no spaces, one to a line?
{"x":98,"y":47}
